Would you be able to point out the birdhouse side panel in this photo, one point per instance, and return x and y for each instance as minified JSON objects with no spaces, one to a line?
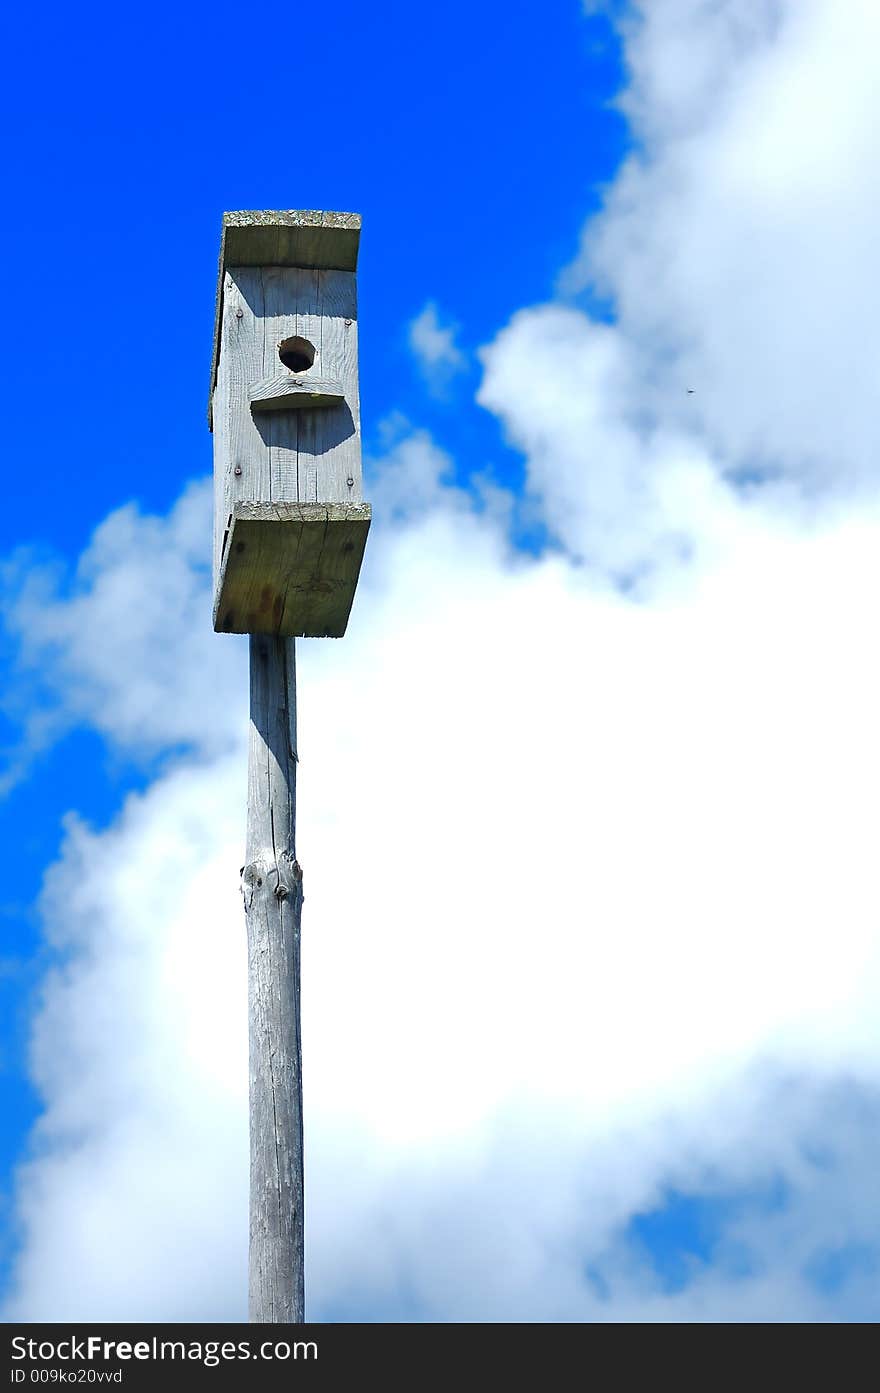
{"x":241,"y":458}
{"x":222,"y":510}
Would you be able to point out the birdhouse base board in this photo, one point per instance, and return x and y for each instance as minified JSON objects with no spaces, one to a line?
{"x":290,"y":568}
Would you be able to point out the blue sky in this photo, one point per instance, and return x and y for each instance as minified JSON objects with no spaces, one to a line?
{"x":624,"y":475}
{"x":133,"y":134}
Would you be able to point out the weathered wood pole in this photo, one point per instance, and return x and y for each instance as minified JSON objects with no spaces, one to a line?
{"x":290,"y":528}
{"x":272,"y":888}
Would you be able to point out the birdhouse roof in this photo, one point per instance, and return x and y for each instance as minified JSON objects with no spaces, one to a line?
{"x":295,"y":237}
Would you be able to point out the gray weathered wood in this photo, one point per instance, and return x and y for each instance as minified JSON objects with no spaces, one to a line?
{"x":272,"y":889}
{"x":285,"y":455}
{"x":295,"y":237}
{"x":290,"y":568}
{"x":289,"y":534}
{"x":337,"y":444}
{"x":288,"y":393}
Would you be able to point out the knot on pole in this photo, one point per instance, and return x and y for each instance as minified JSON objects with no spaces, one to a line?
{"x":287,"y":874}
{"x":281,"y":874}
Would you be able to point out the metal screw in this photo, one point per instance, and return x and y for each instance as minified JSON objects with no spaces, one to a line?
{"x":347,"y":323}
{"x":239,"y":313}
{"x":350,"y":482}
{"x":237,"y":470}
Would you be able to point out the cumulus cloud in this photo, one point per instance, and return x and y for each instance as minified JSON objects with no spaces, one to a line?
{"x":79,"y":639}
{"x":608,"y":876}
{"x":130,"y":1205}
{"x":736,"y":244}
{"x":624,"y":495}
{"x":591,"y":914}
{"x":436,"y":352}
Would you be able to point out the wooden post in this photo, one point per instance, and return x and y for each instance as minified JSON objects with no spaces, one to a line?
{"x":272,"y":888}
{"x":290,"y":528}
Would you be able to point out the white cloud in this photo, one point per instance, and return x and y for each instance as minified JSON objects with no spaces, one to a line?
{"x":617,"y":490}
{"x":140,"y":1052}
{"x":737,"y":244}
{"x":591,"y":908}
{"x":79,"y":642}
{"x":603,"y":882}
{"x":436,"y":352}
{"x":412,"y":478}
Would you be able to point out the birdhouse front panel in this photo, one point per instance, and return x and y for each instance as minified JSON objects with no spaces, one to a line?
{"x":286,"y":420}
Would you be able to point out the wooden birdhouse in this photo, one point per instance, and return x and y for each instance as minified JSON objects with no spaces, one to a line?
{"x":290,"y":525}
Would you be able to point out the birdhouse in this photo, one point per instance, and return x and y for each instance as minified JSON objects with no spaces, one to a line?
{"x":290,"y":524}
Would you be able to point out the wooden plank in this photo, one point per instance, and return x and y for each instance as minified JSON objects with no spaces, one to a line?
{"x":280,"y":433}
{"x":338,"y":442}
{"x":288,"y":459}
{"x":330,"y":570}
{"x":283,"y":392}
{"x":291,"y":569}
{"x":304,"y":237}
{"x":304,"y":303}
{"x":295,"y":237}
{"x":271,"y":884}
{"x":241,"y":464}
{"x":301,"y":574}
{"x":222,"y":472}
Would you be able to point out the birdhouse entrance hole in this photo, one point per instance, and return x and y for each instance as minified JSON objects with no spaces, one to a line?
{"x":296,"y":354}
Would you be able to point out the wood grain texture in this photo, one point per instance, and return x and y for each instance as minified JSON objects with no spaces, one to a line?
{"x":291,"y":568}
{"x":307,"y":237}
{"x":273,"y":897}
{"x":241,"y":458}
{"x":285,"y":455}
{"x":337,"y":443}
{"x":295,"y":237}
{"x":286,"y":393}
{"x":289,"y":536}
